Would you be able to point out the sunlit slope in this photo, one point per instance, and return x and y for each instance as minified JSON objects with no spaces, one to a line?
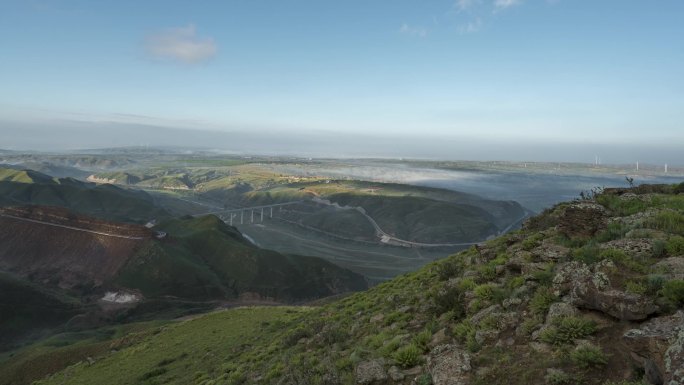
{"x":590,"y":292}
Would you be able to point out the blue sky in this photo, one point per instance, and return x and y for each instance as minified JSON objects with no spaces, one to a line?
{"x":514,"y":71}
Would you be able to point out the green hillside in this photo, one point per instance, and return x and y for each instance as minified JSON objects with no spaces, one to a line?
{"x":589,"y":292}
{"x":28,"y":311}
{"x":26,"y":187}
{"x":205,"y":258}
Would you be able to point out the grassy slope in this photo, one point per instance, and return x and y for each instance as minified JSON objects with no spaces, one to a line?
{"x":104,"y":201}
{"x":205,"y":258}
{"x":396,"y":319}
{"x":26,"y":308}
{"x":189,"y":351}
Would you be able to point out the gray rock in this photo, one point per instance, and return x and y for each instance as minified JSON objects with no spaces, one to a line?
{"x":550,"y":252}
{"x":658,"y":345}
{"x":560,"y":309}
{"x":582,"y":219}
{"x":449,"y":365}
{"x":395,"y":374}
{"x":671,"y":268}
{"x":370,"y":372}
{"x":591,"y":290}
{"x":635,"y":248}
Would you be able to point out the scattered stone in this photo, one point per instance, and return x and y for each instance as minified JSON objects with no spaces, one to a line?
{"x":550,"y":252}
{"x":635,"y":248}
{"x":405,"y":309}
{"x":377,"y":318}
{"x":439,"y":338}
{"x":449,"y":365}
{"x":370,"y":372}
{"x":560,"y":309}
{"x":395,"y":374}
{"x":511,"y":302}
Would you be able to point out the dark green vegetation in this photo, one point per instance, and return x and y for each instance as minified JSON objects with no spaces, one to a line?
{"x":205,"y":258}
{"x":23,"y":187}
{"x":27,"y":308}
{"x":562,"y":301}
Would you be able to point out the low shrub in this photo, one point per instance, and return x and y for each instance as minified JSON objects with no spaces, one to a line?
{"x":422,"y":340}
{"x":542,"y":300}
{"x":673,"y":291}
{"x":669,"y":221}
{"x":588,"y":254}
{"x":567,"y":329}
{"x":588,"y":356}
{"x":450,"y":300}
{"x":450,"y":268}
{"x":675,"y":246}
{"x":408,"y":356}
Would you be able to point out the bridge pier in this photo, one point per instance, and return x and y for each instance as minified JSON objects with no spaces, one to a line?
{"x":252,"y":211}
{"x":242,"y":214}
{"x":262,"y":214}
{"x":271,"y":211}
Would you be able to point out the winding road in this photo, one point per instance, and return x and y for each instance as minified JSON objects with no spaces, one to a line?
{"x":71,"y":227}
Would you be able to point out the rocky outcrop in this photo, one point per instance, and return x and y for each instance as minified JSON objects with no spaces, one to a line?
{"x":370,"y":372}
{"x":582,"y":219}
{"x":449,"y":365}
{"x":635,"y":248}
{"x":671,"y":268}
{"x":658,"y":346}
{"x":584,"y":288}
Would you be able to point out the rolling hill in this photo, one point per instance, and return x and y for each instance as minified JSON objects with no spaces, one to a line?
{"x":27,"y":187}
{"x":588,"y":292}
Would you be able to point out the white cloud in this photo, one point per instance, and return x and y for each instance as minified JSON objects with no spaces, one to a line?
{"x":503,"y":4}
{"x":463,"y":5}
{"x":471,"y":27}
{"x":181,"y":45}
{"x":413,"y":31}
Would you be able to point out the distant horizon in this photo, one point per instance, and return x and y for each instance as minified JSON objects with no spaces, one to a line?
{"x":332,"y":146}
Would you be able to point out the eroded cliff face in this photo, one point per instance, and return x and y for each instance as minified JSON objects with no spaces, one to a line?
{"x":54,"y":246}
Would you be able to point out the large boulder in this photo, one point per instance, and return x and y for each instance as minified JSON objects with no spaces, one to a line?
{"x":658,"y":346}
{"x":371,"y":372}
{"x":635,"y":248}
{"x":584,"y":288}
{"x":582,"y":219}
{"x":449,"y":365}
{"x":671,"y":268}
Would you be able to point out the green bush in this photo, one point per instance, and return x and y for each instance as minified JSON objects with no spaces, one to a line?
{"x":450,"y":268}
{"x":544,"y":277}
{"x":532,"y":241}
{"x":673,"y":291}
{"x":567,"y":329}
{"x":588,"y":357}
{"x":541,"y":300}
{"x":450,"y":300}
{"x":408,"y":356}
{"x":486,"y":273}
{"x":465,"y":333}
{"x":659,"y":248}
{"x":669,"y":221}
{"x":516,"y":282}
{"x":559,"y":378}
{"x":675,"y":246}
{"x":484,"y":292}
{"x":588,"y":253}
{"x":615,"y":230}
{"x":422,"y":340}
{"x":636,"y":287}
